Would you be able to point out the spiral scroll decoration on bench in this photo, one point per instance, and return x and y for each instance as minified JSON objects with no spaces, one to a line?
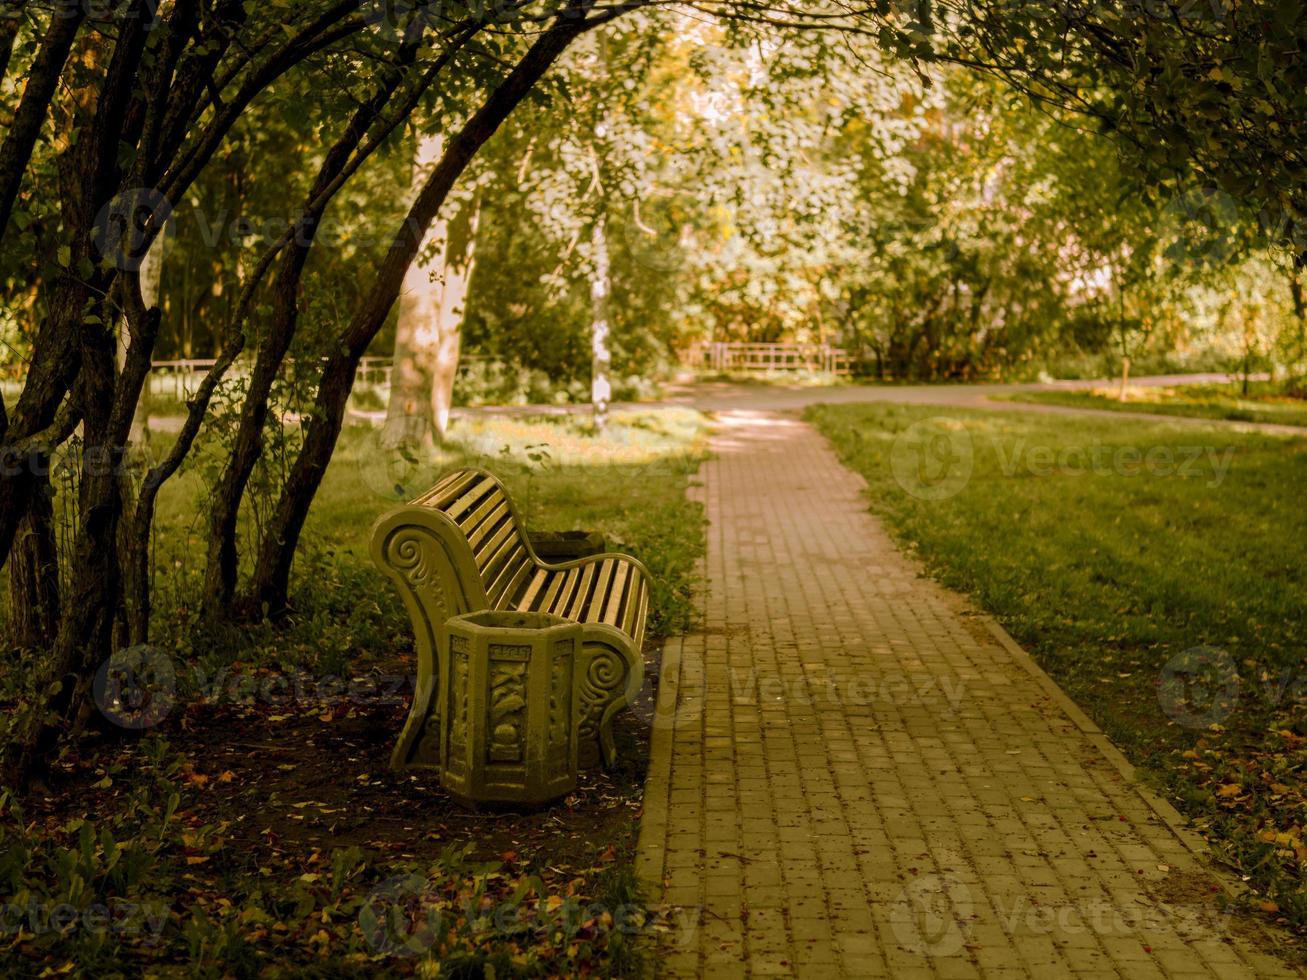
{"x":416,"y":554}
{"x":606,"y":673}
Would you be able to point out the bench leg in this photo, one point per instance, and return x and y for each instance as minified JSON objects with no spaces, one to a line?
{"x":612,"y":674}
{"x":419,"y":743}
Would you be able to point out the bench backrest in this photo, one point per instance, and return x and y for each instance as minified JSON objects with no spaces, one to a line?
{"x":479,"y":506}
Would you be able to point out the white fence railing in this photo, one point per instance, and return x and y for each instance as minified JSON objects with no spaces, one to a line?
{"x":182,"y":377}
{"x":760,"y":357}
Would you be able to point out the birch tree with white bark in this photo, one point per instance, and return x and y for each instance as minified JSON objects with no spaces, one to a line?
{"x":428,"y":332}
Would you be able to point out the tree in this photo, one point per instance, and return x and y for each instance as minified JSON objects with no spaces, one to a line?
{"x":429,"y":330}
{"x":1205,"y":91}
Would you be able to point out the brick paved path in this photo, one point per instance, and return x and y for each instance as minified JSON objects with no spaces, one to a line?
{"x":851,"y":775}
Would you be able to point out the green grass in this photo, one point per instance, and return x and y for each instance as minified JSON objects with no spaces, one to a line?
{"x":1265,"y":401}
{"x":1108,"y":564}
{"x":629,"y":484}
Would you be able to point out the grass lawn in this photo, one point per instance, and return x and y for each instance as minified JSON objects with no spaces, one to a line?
{"x":1159,"y":574}
{"x":254,"y":834}
{"x":1265,"y":401}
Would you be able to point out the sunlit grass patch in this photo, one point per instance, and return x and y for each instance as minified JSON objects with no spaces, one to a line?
{"x":630,"y":437}
{"x":1265,"y":401}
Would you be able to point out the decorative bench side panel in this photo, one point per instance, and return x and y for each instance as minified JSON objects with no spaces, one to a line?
{"x":612,"y":672}
{"x":427,"y":557}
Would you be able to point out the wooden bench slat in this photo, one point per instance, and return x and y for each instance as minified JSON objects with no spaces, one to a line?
{"x":533,"y":588}
{"x":504,"y":567}
{"x":571,"y":582}
{"x":510,"y":580}
{"x":582,"y":595}
{"x":444,"y":495}
{"x":469,"y":499}
{"x":482,"y":521}
{"x":451,"y":484}
{"x":493,"y":547}
{"x":611,"y":592}
{"x":593,"y":609}
{"x":616,"y":596}
{"x":546,"y":603}
{"x":633,"y":618}
{"x":489,"y":535}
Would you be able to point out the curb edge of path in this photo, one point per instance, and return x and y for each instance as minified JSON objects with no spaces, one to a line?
{"x":651,"y":844}
{"x":1174,"y":820}
{"x":651,"y":840}
{"x":1168,"y":814}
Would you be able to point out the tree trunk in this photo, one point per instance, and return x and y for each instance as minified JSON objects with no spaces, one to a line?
{"x":34,"y":571}
{"x":601,"y":391}
{"x":1124,"y":330}
{"x":42,"y":81}
{"x":269,"y":583}
{"x":220,"y":569}
{"x":55,"y":361}
{"x":136,"y":561}
{"x":1249,"y":348}
{"x":428,"y":333}
{"x":85,"y":629}
{"x":73,"y":347}
{"x":1300,"y":314}
{"x":151,"y":276}
{"x":136,"y":456}
{"x":10,"y":18}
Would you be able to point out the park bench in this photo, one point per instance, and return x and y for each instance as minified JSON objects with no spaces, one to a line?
{"x":461,"y":547}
